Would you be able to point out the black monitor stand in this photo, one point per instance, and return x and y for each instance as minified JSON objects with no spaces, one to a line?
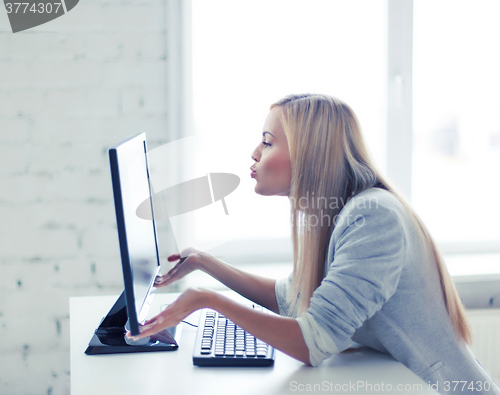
{"x":109,"y":337}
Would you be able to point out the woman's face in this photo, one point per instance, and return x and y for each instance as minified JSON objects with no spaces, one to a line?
{"x":272,"y":168}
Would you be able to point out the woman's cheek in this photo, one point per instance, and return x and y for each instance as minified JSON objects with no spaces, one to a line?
{"x":271,"y":163}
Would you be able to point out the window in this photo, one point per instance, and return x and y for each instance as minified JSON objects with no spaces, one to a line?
{"x":456,"y":152}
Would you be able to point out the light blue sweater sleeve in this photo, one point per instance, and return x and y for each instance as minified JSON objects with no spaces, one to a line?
{"x":368,"y":247}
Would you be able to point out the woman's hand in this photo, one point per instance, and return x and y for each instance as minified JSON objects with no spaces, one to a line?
{"x":189,"y":301}
{"x":187,"y":264}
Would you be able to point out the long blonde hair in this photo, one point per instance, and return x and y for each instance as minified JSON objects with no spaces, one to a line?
{"x":330,"y":161}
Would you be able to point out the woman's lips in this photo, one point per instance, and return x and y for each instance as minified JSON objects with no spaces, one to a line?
{"x":252,"y":174}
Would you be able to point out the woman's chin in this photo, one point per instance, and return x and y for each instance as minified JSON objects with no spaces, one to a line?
{"x":267,"y":192}
{"x":259,"y":190}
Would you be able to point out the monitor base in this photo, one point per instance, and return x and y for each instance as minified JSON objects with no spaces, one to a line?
{"x":109,"y":337}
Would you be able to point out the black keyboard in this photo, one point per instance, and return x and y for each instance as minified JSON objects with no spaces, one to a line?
{"x":219,"y":342}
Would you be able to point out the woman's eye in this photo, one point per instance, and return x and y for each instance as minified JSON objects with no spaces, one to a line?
{"x":266,"y":144}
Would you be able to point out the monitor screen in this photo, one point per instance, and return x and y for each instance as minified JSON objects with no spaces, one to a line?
{"x":137,"y":237}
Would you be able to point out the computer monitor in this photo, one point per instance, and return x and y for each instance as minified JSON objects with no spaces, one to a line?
{"x":139,"y":256}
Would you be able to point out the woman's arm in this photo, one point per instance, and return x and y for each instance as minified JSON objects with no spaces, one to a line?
{"x":256,"y":288}
{"x":282,"y":333}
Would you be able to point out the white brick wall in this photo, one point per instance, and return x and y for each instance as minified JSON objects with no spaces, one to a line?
{"x":69,"y":90}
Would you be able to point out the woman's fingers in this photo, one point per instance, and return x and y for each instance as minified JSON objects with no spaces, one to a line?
{"x":152,"y":320}
{"x":168,"y":278}
{"x":155,"y":325}
{"x":161,"y":280}
{"x":144,"y":333}
{"x":147,"y":331}
{"x":164,"y":336}
{"x":174,"y":257}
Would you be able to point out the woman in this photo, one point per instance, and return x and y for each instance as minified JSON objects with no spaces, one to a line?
{"x":365,"y":268}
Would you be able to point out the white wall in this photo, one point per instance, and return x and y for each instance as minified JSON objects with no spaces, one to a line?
{"x":69,"y":90}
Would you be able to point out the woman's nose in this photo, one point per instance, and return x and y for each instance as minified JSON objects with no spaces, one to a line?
{"x":256,"y":154}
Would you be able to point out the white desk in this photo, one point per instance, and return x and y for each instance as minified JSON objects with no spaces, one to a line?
{"x":173,"y":372}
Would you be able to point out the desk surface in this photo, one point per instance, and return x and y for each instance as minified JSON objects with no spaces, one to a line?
{"x":173,"y":372}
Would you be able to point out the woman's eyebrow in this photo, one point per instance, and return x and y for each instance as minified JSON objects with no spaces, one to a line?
{"x":264,"y":133}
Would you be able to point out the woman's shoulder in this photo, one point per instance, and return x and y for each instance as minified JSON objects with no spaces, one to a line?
{"x":373,"y":202}
{"x":372,"y":223}
{"x":375,"y":215}
{"x":373,"y":197}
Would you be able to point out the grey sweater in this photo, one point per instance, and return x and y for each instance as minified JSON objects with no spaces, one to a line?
{"x":382,"y":290}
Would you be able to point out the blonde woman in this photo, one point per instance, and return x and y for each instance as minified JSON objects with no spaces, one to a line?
{"x":365,"y":268}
